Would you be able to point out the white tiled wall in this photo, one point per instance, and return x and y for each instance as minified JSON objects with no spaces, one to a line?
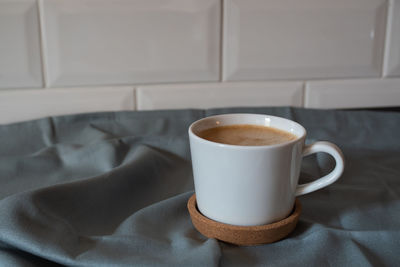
{"x":356,"y":93}
{"x":19,"y":105}
{"x":196,"y":54}
{"x":303,"y":39}
{"x":94,"y":42}
{"x":20,"y":63}
{"x":392,"y":55}
{"x":220,"y":95}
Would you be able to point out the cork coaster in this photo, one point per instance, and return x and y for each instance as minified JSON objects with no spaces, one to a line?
{"x":243,"y":235}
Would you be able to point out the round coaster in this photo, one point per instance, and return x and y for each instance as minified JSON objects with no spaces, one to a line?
{"x":243,"y":235}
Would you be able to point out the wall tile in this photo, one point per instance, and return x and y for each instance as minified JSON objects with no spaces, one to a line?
{"x":93,"y":42}
{"x":353,"y":93}
{"x":20,"y":105}
{"x":392,"y":51}
{"x":220,"y":95}
{"x":20,"y":64}
{"x":303,"y":39}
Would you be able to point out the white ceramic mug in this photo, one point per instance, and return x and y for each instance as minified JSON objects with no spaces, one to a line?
{"x":253,"y":185}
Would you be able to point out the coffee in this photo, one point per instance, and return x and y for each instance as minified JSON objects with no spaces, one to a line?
{"x":246,"y":135}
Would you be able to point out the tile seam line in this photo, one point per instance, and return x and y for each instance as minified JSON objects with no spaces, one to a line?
{"x":43,"y":45}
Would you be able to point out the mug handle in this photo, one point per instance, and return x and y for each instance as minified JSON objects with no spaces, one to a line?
{"x":336,"y":153}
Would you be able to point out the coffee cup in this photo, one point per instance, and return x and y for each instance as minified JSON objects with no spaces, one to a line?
{"x":255,"y":183}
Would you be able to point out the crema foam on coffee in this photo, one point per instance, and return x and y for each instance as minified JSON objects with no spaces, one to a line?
{"x":246,"y":135}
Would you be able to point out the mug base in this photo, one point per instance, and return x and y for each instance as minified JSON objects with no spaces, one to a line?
{"x":243,"y":235}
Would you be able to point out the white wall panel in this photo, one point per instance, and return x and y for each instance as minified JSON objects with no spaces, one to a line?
{"x":214,"y":95}
{"x":303,"y":39}
{"x":353,"y":93}
{"x":20,"y":62}
{"x":90,"y":42}
{"x":392,"y":52}
{"x":21,"y":105}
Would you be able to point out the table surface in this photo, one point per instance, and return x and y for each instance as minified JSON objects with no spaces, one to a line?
{"x":110,"y":189}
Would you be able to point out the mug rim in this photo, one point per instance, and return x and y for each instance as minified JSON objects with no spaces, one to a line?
{"x":205,"y":141}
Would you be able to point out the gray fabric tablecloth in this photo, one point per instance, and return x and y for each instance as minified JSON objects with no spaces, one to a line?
{"x":110,"y":189}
